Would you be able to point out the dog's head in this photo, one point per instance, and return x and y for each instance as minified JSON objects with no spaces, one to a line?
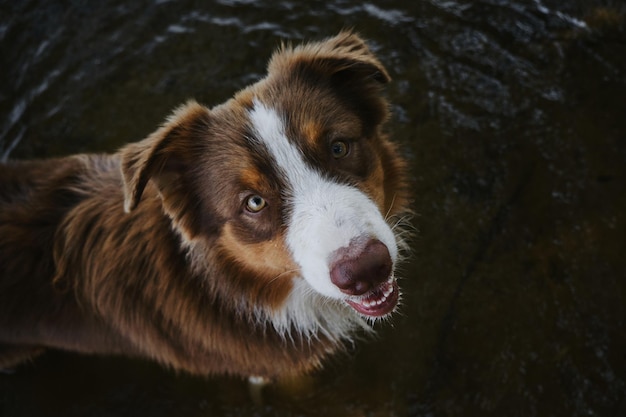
{"x":289,"y":190}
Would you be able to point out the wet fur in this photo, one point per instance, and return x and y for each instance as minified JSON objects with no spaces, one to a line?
{"x":138,"y":253}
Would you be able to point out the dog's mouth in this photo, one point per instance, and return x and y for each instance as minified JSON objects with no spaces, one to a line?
{"x":378,"y":302}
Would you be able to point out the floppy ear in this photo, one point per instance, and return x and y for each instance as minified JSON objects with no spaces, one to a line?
{"x":346,"y":52}
{"x":162,"y":155}
{"x":345,"y":64}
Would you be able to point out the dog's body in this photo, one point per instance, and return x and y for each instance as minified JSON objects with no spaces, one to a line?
{"x":249,"y":239}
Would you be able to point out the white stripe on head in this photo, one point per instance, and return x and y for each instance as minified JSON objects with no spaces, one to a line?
{"x":323,"y":215}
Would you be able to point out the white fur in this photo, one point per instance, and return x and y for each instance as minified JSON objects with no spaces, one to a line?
{"x":312,"y":314}
{"x":324,"y":215}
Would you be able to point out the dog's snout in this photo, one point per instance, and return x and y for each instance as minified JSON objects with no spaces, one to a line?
{"x":358,"y":273}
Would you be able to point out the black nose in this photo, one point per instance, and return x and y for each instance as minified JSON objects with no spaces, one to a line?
{"x":356,"y":274}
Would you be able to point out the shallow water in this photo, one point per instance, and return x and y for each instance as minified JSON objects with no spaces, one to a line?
{"x":514,"y":119}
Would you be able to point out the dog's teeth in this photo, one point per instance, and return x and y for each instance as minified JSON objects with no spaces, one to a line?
{"x":368,"y":303}
{"x":387,"y":292}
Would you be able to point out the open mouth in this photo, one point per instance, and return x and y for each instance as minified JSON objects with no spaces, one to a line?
{"x":378,"y":302}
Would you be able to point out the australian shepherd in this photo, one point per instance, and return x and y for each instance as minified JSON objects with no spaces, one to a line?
{"x":253,"y":238}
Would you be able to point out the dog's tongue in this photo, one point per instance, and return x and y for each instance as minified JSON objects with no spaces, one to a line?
{"x":378,"y":302}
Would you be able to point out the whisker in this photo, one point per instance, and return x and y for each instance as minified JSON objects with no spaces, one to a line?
{"x":279,"y":275}
{"x":393,"y":200}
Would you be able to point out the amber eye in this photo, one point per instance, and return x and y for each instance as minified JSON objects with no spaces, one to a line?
{"x":339,"y":149}
{"x":255,"y":203}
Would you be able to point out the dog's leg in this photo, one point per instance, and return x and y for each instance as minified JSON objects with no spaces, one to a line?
{"x":12,"y":355}
{"x":255,"y":388}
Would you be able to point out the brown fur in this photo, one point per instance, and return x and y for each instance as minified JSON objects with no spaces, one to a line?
{"x":143,"y":252}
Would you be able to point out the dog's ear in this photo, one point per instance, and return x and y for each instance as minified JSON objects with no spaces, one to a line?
{"x":162,"y":155}
{"x":345,"y":64}
{"x":346,"y":53}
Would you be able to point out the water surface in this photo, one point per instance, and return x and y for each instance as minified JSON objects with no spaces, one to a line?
{"x":513,"y":117}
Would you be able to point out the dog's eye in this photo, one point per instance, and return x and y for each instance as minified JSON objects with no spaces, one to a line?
{"x":339,"y":149}
{"x":255,"y":203}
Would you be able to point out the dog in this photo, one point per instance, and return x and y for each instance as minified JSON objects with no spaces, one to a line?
{"x":255,"y":238}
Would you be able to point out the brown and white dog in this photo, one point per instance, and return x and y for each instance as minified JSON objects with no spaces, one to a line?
{"x":253,"y":238}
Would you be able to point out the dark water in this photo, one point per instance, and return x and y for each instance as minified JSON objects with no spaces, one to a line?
{"x":513,"y":115}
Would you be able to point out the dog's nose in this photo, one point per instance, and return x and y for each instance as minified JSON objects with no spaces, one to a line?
{"x":357,"y":273}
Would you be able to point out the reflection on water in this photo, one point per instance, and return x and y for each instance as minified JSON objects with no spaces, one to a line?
{"x":512,"y":114}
